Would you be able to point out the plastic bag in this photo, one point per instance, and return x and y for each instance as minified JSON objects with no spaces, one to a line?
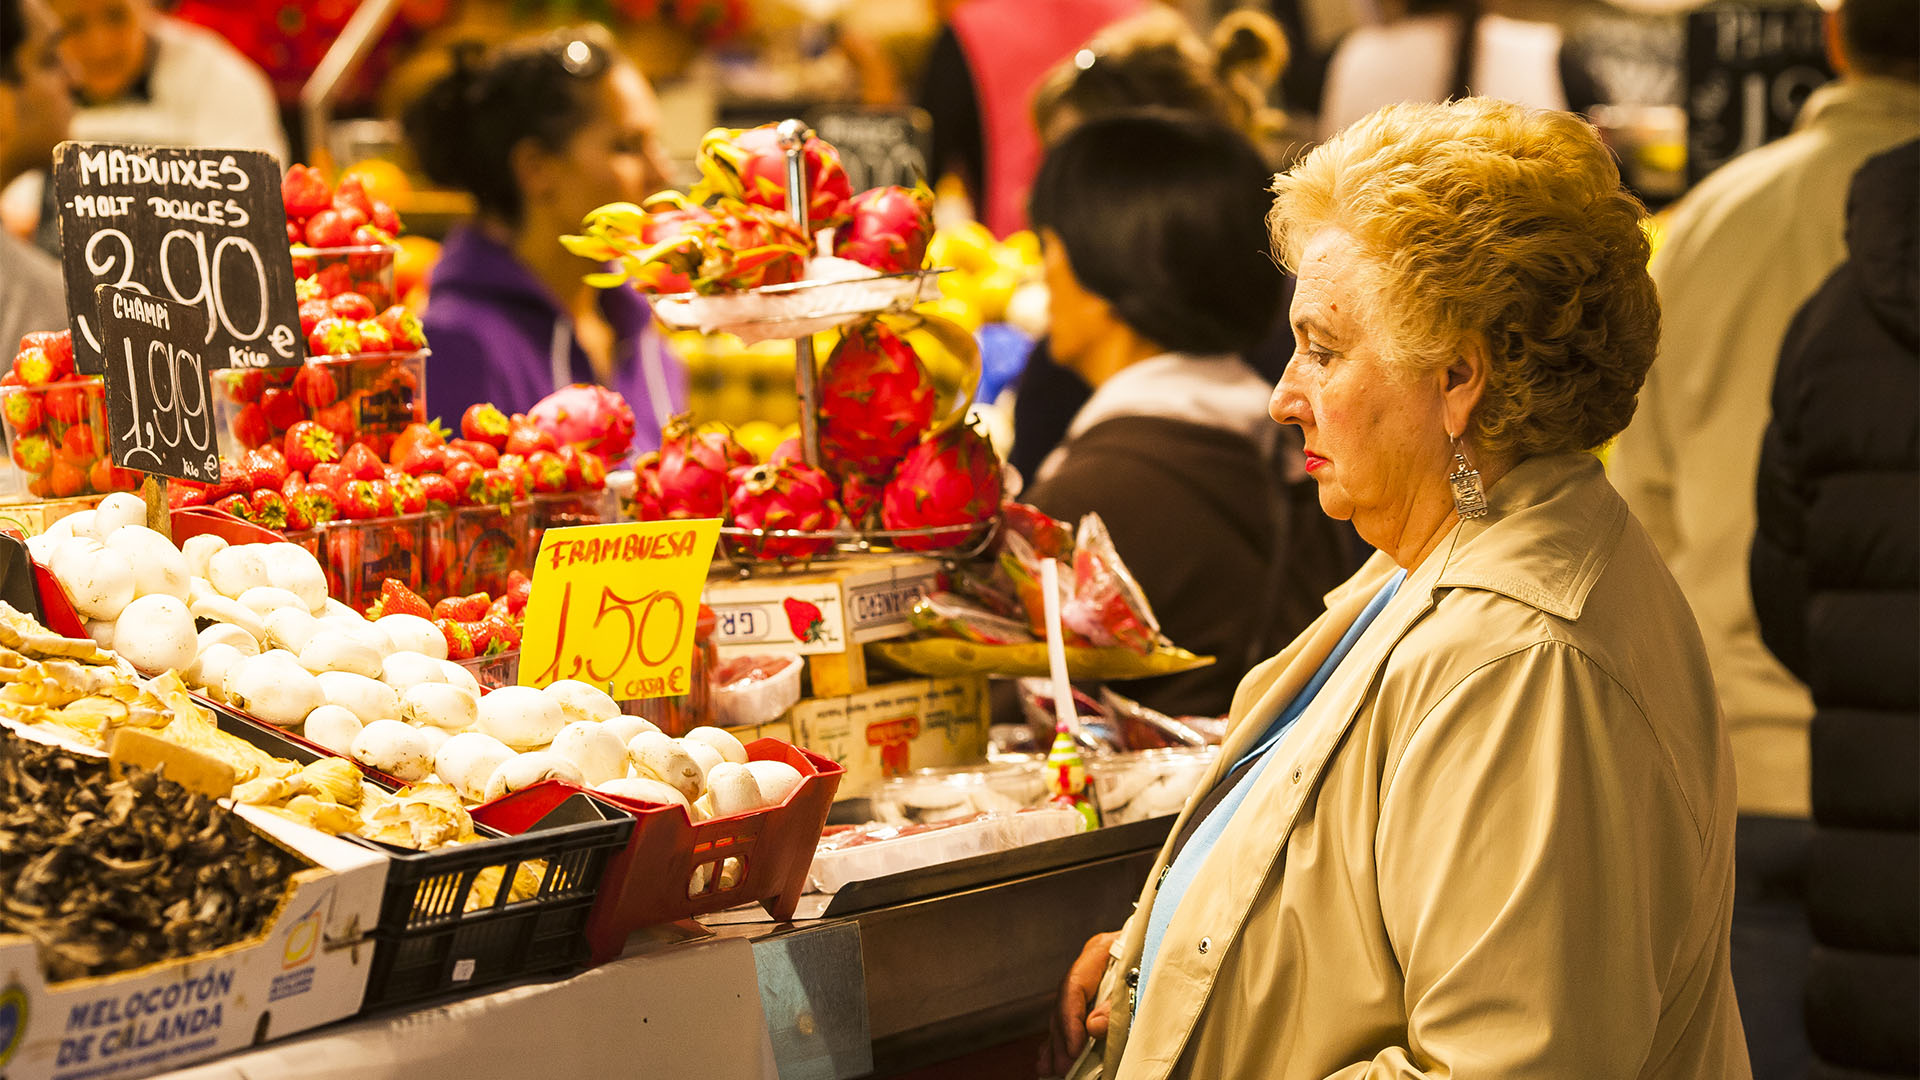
{"x":1107,"y":607}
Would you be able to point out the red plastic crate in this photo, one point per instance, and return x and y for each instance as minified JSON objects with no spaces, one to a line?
{"x":658,"y":876}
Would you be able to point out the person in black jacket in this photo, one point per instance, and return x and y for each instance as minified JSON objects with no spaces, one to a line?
{"x":1155,"y":294}
{"x":1836,"y":583}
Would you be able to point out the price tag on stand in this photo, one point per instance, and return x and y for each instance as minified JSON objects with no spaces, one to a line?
{"x":615,"y":606}
{"x":203,"y":227}
{"x":159,"y":419}
{"x":879,"y":144}
{"x":1749,"y":68}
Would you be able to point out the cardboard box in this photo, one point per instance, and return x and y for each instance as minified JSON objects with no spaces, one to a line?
{"x":34,"y":518}
{"x":892,"y":729}
{"x":857,"y":601}
{"x":309,"y":967}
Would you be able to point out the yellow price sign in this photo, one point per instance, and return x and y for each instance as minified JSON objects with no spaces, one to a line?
{"x":616,"y":606}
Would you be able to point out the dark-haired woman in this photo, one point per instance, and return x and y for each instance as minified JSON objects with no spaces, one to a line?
{"x":1155,"y":296}
{"x":540,"y":132}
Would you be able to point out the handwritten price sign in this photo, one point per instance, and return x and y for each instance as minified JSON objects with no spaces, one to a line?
{"x":615,"y":606}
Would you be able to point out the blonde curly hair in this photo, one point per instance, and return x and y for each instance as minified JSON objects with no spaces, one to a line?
{"x":1482,"y":217}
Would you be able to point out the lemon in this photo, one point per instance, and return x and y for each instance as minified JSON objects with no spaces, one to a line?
{"x":967,"y":246}
{"x":759,"y":437}
{"x":996,"y":288}
{"x":1024,"y":246}
{"x":954,"y":310}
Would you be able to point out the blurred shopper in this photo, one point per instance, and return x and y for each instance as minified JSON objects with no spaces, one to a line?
{"x":1742,"y":252}
{"x":1437,"y":50}
{"x":1836,"y":583}
{"x":1154,"y":59}
{"x":978,"y":82}
{"x":145,"y":77}
{"x":33,"y":115}
{"x":540,"y":132}
{"x":1476,"y":821}
{"x":1154,"y":297}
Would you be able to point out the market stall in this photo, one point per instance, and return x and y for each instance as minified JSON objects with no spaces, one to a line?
{"x":504,"y":732}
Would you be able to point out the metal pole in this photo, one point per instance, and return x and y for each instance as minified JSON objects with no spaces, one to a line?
{"x":793,"y":139}
{"x":357,"y":38}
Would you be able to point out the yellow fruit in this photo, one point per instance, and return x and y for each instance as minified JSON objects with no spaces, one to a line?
{"x":996,"y":288}
{"x":1023,"y":245}
{"x":967,"y":246}
{"x":759,"y":437}
{"x":948,"y":308}
{"x":413,"y":262}
{"x":382,"y":179}
{"x":735,"y":402}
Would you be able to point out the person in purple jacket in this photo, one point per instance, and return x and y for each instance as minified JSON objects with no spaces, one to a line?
{"x":540,"y":132}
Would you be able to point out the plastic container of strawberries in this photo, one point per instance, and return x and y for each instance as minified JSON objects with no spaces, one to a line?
{"x":56,"y":442}
{"x":366,"y":269}
{"x":359,"y":555}
{"x":474,"y":548}
{"x":366,"y":397}
{"x":673,"y":869}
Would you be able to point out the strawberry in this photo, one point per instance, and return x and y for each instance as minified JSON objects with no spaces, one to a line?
{"x":303,"y":191}
{"x":459,"y":639}
{"x":245,"y":385}
{"x":282,"y":408}
{"x":306,"y":287}
{"x":23,"y":411}
{"x":182,"y":494}
{"x":340,"y":419}
{"x":404,"y":327}
{"x":294,"y":484}
{"x":314,"y":386}
{"x":351,"y":306}
{"x":570,"y":456}
{"x":367,"y":234}
{"x":317,"y":503}
{"x":593,"y":472}
{"x":330,"y":228}
{"x":497,"y":488}
{"x":237,"y":505}
{"x":548,"y":470}
{"x":40,"y":488}
{"x":333,"y":336}
{"x":232,"y":479}
{"x":104,"y":476}
{"x":397,"y":599}
{"x":353,"y":194}
{"x":383,"y":217}
{"x":58,"y":345}
{"x":334,"y":278}
{"x":502,"y":635}
{"x":329,"y":475}
{"x":265,"y":467}
{"x":374,"y":337}
{"x":439,"y":492}
{"x":466,"y":608}
{"x":311,"y":312}
{"x":309,"y":444}
{"x":419,"y":459}
{"x":66,"y":478}
{"x":411,"y":494}
{"x":250,"y":427}
{"x":364,"y":499}
{"x":11,"y":378}
{"x":464,"y":477}
{"x":515,"y":467}
{"x":66,"y":402}
{"x":78,"y":443}
{"x":362,"y":463}
{"x":519,"y":591}
{"x":484,"y":423}
{"x":484,"y":454}
{"x":526,"y":438}
{"x":268,"y":507}
{"x":37,"y":367}
{"x":298,"y":519}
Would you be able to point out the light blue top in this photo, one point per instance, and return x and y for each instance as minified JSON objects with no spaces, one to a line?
{"x":1186,"y":865}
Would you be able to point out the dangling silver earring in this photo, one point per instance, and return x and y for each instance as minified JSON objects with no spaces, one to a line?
{"x":1469,"y":497}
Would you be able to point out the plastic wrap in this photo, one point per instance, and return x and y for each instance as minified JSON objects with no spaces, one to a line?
{"x":877,"y":850}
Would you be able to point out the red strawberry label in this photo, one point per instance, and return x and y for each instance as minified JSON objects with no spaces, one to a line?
{"x":805,"y":620}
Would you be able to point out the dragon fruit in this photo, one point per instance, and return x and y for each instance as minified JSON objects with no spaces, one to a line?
{"x":658,"y":246}
{"x":888,"y":228}
{"x":590,"y":417}
{"x":861,"y":499}
{"x":750,"y":166}
{"x":748,"y":246}
{"x":951,"y":478}
{"x":691,"y":475}
{"x":783,"y":495}
{"x":646,"y":488}
{"x":876,"y":402}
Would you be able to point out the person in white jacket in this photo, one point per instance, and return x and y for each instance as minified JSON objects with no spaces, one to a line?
{"x":1743,"y":250}
{"x":146,"y":77}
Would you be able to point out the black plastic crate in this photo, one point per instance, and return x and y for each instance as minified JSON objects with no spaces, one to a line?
{"x":428,"y":945}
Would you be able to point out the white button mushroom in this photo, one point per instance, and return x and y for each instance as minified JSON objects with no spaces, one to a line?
{"x":199,"y":551}
{"x":661,"y":758}
{"x":333,"y":727}
{"x":264,"y":600}
{"x":439,"y":705}
{"x":411,"y":633}
{"x":526,"y":770}
{"x":703,"y":755}
{"x":222,"y":609}
{"x":209,"y":669}
{"x":274,"y":687}
{"x":98,"y":581}
{"x":293,"y":568}
{"x":369,"y":699}
{"x":155,"y":634}
{"x":777,"y":779}
{"x":646,"y":790}
{"x":405,"y":670}
{"x":229,"y":634}
{"x":118,"y":511}
{"x":334,"y":608}
{"x":459,"y":676}
{"x":722,"y":740}
{"x":233,"y":570}
{"x":600,"y":755}
{"x":101,"y":631}
{"x":290,"y":628}
{"x":734,"y":790}
{"x":436,"y":738}
{"x":330,"y":650}
{"x":362,"y":631}
{"x":80,"y":524}
{"x":626,"y":727}
{"x":582,"y":701}
{"x":468,"y":759}
{"x":521,"y":717}
{"x":394,"y":748}
{"x":158,"y":566}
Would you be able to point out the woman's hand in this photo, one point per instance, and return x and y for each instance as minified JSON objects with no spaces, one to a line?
{"x":1073,"y":1024}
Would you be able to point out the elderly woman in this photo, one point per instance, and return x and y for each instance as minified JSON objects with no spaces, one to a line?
{"x":1477,"y":820}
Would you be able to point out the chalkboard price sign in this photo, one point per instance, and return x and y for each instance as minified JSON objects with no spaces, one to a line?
{"x":1750,"y":66}
{"x":878,"y":145}
{"x":159,"y":417}
{"x":203,"y":227}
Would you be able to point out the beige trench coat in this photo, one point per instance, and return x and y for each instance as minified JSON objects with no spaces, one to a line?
{"x":1499,"y":843}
